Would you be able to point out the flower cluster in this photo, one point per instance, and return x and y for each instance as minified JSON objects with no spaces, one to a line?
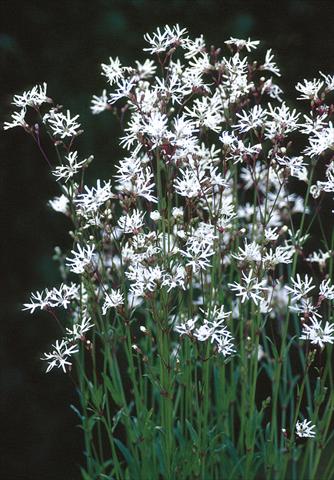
{"x":213,"y":328}
{"x":313,"y":327}
{"x":198,"y":224}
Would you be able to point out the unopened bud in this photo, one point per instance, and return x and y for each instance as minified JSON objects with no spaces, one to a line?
{"x":155,"y":215}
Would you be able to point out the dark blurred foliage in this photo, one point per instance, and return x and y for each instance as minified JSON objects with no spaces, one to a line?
{"x":63,"y":43}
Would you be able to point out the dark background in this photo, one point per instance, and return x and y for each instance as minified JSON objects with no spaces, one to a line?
{"x":63,"y":43}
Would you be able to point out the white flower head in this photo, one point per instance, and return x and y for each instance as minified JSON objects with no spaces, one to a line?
{"x":60,"y":204}
{"x":252,"y":119}
{"x":305,"y":429}
{"x":240,"y":43}
{"x":131,"y":223}
{"x":163,"y":39}
{"x":63,"y":125}
{"x":270,"y":65}
{"x":18,"y":120}
{"x":99,"y":104}
{"x":249,"y":288}
{"x":82,"y":259}
{"x":309,"y":89}
{"x":300,"y":288}
{"x":187,"y":327}
{"x":32,"y":98}
{"x":79,"y":329}
{"x":59,"y":357}
{"x":93,"y":198}
{"x":73,"y":166}
{"x":112,"y":299}
{"x":113,"y":71}
{"x":318,"y":334}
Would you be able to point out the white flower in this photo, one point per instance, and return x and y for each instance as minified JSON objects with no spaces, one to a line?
{"x":60,"y":204}
{"x":124,"y":88}
{"x":215,"y":329}
{"x":217,"y":316}
{"x":226,"y":214}
{"x":225,"y":346}
{"x":82,"y":259}
{"x":237,"y":150}
{"x":184,"y":132}
{"x":99,"y":104}
{"x":199,"y":247}
{"x":282,"y":121}
{"x":187,"y":327}
{"x":59,"y":357}
{"x":146,"y":69}
{"x":296,"y":166}
{"x":271,"y":234}
{"x":269,"y":65}
{"x":320,"y":141}
{"x":240,"y":43}
{"x":172,"y":89}
{"x":160,"y":41}
{"x":329,"y":80}
{"x":207,"y":112}
{"x":156,"y":128}
{"x":63,"y":125}
{"x":62,"y":296}
{"x":305,"y":429}
{"x":56,"y":297}
{"x":135,"y":180}
{"x":176,"y":279}
{"x":131,"y":223}
{"x":114,"y":71}
{"x":32,"y":98}
{"x":78,"y":330}
{"x":112,"y":299}
{"x":189,"y":185}
{"x":300,"y":288}
{"x":235,"y":84}
{"x":40,"y":300}
{"x":18,"y":120}
{"x":306,"y":307}
{"x":280,"y":255}
{"x":252,"y":119}
{"x":313,"y":124}
{"x":93,"y":198}
{"x":177,"y":212}
{"x":319,"y":257}
{"x":271,"y":89}
{"x":68,"y":171}
{"x":326,"y":290}
{"x":251,"y":289}
{"x":144,"y":279}
{"x":250,"y":253}
{"x":310,"y":89}
{"x":204,"y":332}
{"x":317,"y":334}
{"x":194,"y":47}
{"x":328,"y":185}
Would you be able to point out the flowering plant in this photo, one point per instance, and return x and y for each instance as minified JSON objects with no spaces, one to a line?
{"x":199,"y":327}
